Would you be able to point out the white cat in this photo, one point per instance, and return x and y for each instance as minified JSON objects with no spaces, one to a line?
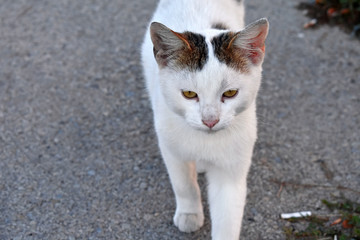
{"x":203,"y":72}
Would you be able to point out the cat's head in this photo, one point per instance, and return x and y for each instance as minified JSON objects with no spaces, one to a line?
{"x":209,"y":78}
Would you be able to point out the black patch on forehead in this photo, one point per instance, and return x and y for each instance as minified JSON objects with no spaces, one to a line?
{"x":197,"y":56}
{"x":220,"y":26}
{"x":220,"y":40}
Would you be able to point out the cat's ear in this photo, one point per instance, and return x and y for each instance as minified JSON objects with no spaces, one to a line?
{"x":166,"y":43}
{"x":251,"y":40}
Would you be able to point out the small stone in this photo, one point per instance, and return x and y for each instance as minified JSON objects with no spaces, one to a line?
{"x":143,"y":185}
{"x":258,"y":218}
{"x":301,"y":35}
{"x":125,"y":226}
{"x":105,"y":90}
{"x":147,"y":217}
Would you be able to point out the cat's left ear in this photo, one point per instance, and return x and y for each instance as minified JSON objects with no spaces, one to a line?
{"x":168,"y":44}
{"x":252,"y":40}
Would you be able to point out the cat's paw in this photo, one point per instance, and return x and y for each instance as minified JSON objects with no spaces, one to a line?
{"x":189,"y":222}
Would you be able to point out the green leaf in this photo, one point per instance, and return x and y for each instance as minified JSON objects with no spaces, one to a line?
{"x":356,"y":232}
{"x":343,"y":237}
{"x":355,"y":220}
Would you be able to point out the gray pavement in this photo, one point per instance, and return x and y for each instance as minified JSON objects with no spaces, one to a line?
{"x":78,"y":154}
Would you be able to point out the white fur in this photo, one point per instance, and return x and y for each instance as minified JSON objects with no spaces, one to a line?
{"x":225,"y":151}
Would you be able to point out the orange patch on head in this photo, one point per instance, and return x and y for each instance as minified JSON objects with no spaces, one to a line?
{"x":195,"y":55}
{"x":182,"y":38}
{"x":240,"y":50}
{"x":178,"y":50}
{"x":228,"y":53}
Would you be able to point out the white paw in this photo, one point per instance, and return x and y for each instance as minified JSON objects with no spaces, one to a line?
{"x":189,"y":222}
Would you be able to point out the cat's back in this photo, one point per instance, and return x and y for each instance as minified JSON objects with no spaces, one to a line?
{"x":198,"y":15}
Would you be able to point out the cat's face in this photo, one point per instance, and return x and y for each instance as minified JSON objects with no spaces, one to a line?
{"x":209,"y":99}
{"x":209,"y":78}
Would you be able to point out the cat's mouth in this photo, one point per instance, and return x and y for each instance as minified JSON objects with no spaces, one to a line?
{"x":206,"y":129}
{"x":212,"y":130}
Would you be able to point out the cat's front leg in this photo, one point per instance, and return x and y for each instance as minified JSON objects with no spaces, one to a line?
{"x":227,"y":195}
{"x":189,"y":215}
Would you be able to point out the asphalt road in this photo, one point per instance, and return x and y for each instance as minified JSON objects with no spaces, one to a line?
{"x":78,"y":153}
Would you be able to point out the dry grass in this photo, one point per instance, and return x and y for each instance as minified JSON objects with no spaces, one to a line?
{"x":344,"y":223}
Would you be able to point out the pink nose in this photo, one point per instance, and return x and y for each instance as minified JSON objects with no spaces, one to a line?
{"x":210,"y":123}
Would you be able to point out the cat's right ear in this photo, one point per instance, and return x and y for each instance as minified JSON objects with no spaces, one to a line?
{"x":252,"y":40}
{"x":166,"y":43}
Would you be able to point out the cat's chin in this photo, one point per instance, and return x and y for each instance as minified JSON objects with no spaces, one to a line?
{"x":209,"y":130}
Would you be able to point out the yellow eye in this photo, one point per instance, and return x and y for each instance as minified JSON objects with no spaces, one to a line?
{"x":230,"y":93}
{"x":189,"y":94}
